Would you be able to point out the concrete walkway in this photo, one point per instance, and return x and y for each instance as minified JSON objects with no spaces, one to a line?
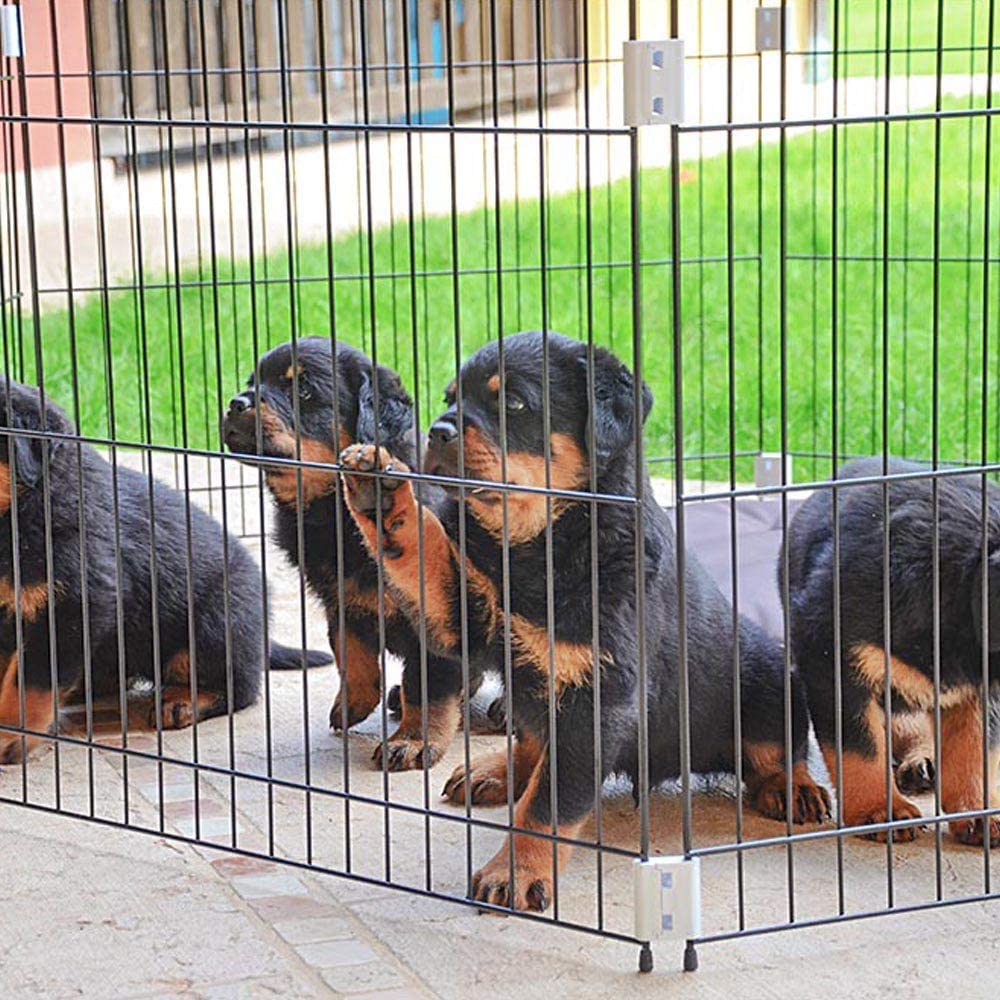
{"x":95,"y":911}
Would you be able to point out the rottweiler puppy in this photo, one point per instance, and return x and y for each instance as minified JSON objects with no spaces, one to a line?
{"x":300,"y":405}
{"x":911,"y":638}
{"x":579,"y":443}
{"x":42,"y":481}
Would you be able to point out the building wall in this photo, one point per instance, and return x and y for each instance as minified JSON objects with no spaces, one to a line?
{"x":42,"y":98}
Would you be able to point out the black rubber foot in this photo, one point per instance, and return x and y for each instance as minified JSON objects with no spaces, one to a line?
{"x":646,"y":959}
{"x":690,"y":958}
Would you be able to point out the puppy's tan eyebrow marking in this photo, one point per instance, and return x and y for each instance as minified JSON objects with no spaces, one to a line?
{"x":493,"y":384}
{"x":292,"y":371}
{"x":451,"y":389}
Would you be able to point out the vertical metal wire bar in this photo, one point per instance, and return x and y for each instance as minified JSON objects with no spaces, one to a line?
{"x":74,"y":364}
{"x":550,"y":613}
{"x":372,"y":300}
{"x":984,"y":511}
{"x":838,"y":680}
{"x":224,"y":507}
{"x":459,"y":404}
{"x":683,"y":678}
{"x":287,"y":144}
{"x":258,"y":430}
{"x":890,"y":783}
{"x":783,"y":338}
{"x":733,"y":523}
{"x":508,"y":670}
{"x":129,"y":98}
{"x":935,"y":449}
{"x":417,"y":449}
{"x":595,"y":586}
{"x":102,"y":243}
{"x":341,"y":651}
{"x":28,"y":169}
{"x":185,"y":440}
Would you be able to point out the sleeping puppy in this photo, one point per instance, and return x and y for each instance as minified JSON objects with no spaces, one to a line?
{"x":911,"y":637}
{"x":336,"y":408}
{"x":193,"y":678}
{"x":568,"y":675}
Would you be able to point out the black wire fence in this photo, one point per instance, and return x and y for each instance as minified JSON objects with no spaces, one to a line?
{"x":207,"y":202}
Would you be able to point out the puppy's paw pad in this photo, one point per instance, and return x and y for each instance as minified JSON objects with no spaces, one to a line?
{"x":366,"y":493}
{"x":916,"y":776}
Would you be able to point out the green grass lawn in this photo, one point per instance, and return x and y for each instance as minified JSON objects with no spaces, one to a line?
{"x":913,"y":36}
{"x":194,"y":365}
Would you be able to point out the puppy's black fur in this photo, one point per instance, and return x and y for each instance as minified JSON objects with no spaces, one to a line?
{"x":911,"y":635}
{"x":30,"y":467}
{"x":298,"y":404}
{"x":574,"y":449}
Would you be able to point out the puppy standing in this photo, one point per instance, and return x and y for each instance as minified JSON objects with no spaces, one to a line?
{"x":330,"y":417}
{"x":116,"y":562}
{"x":709,"y":635}
{"x":911,"y":634}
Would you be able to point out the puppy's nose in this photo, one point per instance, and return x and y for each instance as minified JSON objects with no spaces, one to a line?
{"x":442,"y":432}
{"x":241,"y":403}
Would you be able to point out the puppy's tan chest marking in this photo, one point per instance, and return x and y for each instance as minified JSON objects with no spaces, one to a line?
{"x":571,"y":662}
{"x":909,"y":683}
{"x":527,"y":513}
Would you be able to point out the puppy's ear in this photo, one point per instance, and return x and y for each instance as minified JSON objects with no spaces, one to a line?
{"x":614,"y":406}
{"x":395,"y":416}
{"x":992,"y":578}
{"x":28,"y":460}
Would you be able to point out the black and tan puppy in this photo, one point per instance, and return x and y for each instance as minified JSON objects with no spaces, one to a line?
{"x":336,"y":407}
{"x":35,"y":606}
{"x":911,"y":636}
{"x":573,"y":452}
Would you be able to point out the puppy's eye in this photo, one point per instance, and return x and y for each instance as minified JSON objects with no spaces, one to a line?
{"x":304,"y":391}
{"x":514,"y":404}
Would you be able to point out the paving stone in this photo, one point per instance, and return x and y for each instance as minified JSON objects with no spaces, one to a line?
{"x":185,"y":809}
{"x":261,"y":886}
{"x":313,"y":929}
{"x":405,"y":993}
{"x":362,"y":978}
{"x":328,"y":954}
{"x":243,"y":866}
{"x":217,"y":828}
{"x":277,"y":908}
{"x":171,"y":792}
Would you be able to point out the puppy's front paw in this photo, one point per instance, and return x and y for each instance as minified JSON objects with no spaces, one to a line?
{"x":365,"y":492}
{"x":970,"y":831}
{"x":531,"y":888}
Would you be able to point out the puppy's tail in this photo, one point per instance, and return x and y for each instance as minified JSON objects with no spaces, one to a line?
{"x":288,"y":658}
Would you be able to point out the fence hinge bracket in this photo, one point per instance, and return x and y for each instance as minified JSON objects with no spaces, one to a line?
{"x":654,"y":82}
{"x":11,"y":31}
{"x":668,"y":898}
{"x":769,"y":29}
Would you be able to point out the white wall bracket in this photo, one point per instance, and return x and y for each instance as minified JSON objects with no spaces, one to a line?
{"x":654,"y":82}
{"x":667,"y":898}
{"x":11,"y":31}
{"x":769,"y":29}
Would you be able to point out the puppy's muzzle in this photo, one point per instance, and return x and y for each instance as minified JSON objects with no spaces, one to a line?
{"x":442,"y":449}
{"x":239,"y":425}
